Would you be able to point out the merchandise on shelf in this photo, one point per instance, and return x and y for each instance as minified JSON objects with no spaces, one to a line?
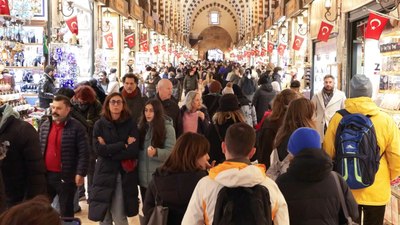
{"x":64,"y":60}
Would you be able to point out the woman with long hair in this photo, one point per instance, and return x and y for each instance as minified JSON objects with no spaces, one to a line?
{"x":300,"y":113}
{"x":271,"y":124}
{"x":194,"y":115}
{"x":157,"y":137}
{"x":228,"y":113}
{"x":114,"y":195}
{"x":176,"y":179}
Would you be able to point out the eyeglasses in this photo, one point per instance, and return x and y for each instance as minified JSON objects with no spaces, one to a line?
{"x":116,"y":102}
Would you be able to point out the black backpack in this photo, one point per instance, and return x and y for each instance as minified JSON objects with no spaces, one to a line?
{"x":242,"y":206}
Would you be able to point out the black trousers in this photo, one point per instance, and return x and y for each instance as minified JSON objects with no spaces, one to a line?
{"x":65,"y":192}
{"x":373,"y":215}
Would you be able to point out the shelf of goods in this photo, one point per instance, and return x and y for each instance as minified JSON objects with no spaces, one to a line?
{"x":388,"y":99}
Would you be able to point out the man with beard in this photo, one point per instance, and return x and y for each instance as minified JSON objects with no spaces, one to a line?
{"x":66,"y":161}
{"x":133,"y":96}
{"x":327,"y":102}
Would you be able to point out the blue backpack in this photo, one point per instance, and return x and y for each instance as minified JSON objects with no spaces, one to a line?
{"x":357,"y":150}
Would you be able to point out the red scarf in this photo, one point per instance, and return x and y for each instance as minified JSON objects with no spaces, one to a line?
{"x":130,"y":95}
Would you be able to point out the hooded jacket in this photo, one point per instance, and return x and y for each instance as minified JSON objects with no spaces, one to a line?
{"x":310,"y":190}
{"x":388,"y":139}
{"x":46,"y":90}
{"x":262,"y":99}
{"x":232,"y":174}
{"x":148,"y":165}
{"x":23,"y":167}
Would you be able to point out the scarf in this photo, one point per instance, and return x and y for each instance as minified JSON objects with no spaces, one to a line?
{"x":130,"y":95}
{"x":327,"y":96}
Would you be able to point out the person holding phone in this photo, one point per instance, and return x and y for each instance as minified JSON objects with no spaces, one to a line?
{"x":114,"y":193}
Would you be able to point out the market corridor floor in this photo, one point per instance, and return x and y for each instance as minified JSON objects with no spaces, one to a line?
{"x":83,"y":215}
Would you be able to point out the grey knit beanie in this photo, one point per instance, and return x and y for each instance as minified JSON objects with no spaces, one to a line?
{"x":360,"y":86}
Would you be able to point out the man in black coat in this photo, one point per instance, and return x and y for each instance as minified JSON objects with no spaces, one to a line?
{"x":133,"y":96}
{"x":22,"y":163}
{"x":171,"y":108}
{"x":64,"y":144}
{"x":47,"y":88}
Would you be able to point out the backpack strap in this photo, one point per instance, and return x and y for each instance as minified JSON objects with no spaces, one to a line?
{"x":341,"y":197}
{"x":343,"y":112}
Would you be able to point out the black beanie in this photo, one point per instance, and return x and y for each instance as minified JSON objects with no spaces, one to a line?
{"x":228,"y":103}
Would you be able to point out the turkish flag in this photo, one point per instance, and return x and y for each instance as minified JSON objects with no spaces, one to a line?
{"x":163,"y":47}
{"x":156,"y":50}
{"x":375,"y":26}
{"x":130,"y":39}
{"x":4,"y":9}
{"x":298,"y":41}
{"x":324,"y":31}
{"x":109,"y":40}
{"x":281,"y":49}
{"x":169,"y":50}
{"x":72,"y":24}
{"x":270,"y":47}
{"x":144,"y":46}
{"x":263,"y":51}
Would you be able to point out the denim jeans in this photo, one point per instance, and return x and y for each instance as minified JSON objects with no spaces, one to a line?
{"x":116,"y":211}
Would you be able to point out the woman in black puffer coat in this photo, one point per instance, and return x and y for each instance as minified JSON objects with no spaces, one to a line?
{"x":114,"y":194}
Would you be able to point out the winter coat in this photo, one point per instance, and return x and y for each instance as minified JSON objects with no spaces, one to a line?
{"x":190,"y":83}
{"x":280,"y":159}
{"x":232,"y":174}
{"x":202,"y":127}
{"x":265,"y":142}
{"x":23,"y":167}
{"x":108,"y":165}
{"x":324,"y":114}
{"x":3,"y":200}
{"x":136,"y":105}
{"x":74,"y":148}
{"x":151,"y":84}
{"x":148,"y":165}
{"x":113,"y":85}
{"x":174,"y":189}
{"x":248,"y":110}
{"x":277,"y":77}
{"x":171,"y":109}
{"x":262,"y":99}
{"x":310,"y":191}
{"x":211,"y":101}
{"x":388,"y":139}
{"x":46,"y":91}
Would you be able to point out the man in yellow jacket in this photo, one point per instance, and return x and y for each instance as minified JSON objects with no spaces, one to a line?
{"x":371,"y":200}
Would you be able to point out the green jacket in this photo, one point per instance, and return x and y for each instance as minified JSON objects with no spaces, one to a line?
{"x":148,"y":165}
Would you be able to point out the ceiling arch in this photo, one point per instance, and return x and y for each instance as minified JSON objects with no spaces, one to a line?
{"x":219,"y":6}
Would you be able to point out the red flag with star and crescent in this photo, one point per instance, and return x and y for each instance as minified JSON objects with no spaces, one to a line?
{"x":109,"y":40}
{"x":4,"y":8}
{"x":263,"y":51}
{"x":156,"y":50}
{"x":375,"y":26}
{"x":324,"y":31}
{"x":270,"y":48}
{"x":72,"y":24}
{"x":298,"y":41}
{"x":281,"y":49}
{"x":163,"y":47}
{"x":130,"y":39}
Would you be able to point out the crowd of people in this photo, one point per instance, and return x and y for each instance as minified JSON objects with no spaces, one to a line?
{"x":183,"y":134}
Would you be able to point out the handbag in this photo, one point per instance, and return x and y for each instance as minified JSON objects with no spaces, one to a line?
{"x":342,"y":202}
{"x":159,"y":216}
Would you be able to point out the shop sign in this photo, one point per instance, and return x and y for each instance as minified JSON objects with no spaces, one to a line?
{"x":278,"y":13}
{"x":159,"y":28}
{"x":391,"y":47}
{"x":118,"y":6}
{"x":306,"y":2}
{"x":149,"y":22}
{"x":136,"y":12}
{"x":292,"y":7}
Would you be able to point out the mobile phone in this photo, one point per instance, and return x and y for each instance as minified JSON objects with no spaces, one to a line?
{"x":70,"y":221}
